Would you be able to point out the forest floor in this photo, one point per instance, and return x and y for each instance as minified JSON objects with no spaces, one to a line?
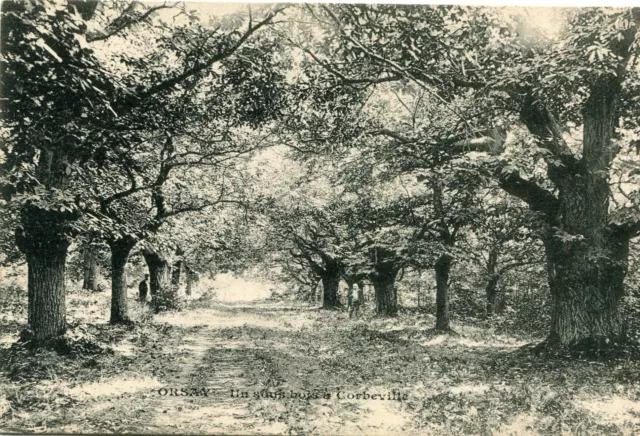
{"x":474,"y":382}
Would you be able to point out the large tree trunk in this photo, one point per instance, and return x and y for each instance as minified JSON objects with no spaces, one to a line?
{"x":442,"y":269}
{"x":586,"y":291}
{"x":120,"y":250}
{"x":590,"y":262}
{"x":46,"y":292}
{"x":587,"y":257}
{"x":159,"y":272}
{"x":163,"y":292}
{"x":384,"y":280}
{"x":492,"y":284}
{"x":44,"y":238}
{"x":91,"y":269}
{"x":330,"y":285}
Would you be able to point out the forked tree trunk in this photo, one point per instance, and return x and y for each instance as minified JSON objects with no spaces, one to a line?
{"x":587,"y":256}
{"x":384,"y":280}
{"x":120,"y":250}
{"x":91,"y":269}
{"x":442,"y":270}
{"x":590,"y":262}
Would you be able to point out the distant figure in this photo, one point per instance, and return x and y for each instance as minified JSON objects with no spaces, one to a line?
{"x":355,"y":299}
{"x":143,"y":288}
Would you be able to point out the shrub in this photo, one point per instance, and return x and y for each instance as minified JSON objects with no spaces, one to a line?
{"x":168,"y":298}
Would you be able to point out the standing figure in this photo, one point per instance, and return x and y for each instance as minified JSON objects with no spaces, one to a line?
{"x":354,"y":298}
{"x":143,"y":288}
{"x":360,"y":295}
{"x":350,"y":295}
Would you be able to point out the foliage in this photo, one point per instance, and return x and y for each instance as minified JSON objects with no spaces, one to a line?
{"x":167,"y":299}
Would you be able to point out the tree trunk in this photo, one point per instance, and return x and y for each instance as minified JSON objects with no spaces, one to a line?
{"x":91,"y":269}
{"x":120,"y":250}
{"x":176,"y":274}
{"x":189,"y":276}
{"x":163,"y":293}
{"x":442,"y":269}
{"x":44,"y":238}
{"x":330,"y":285}
{"x":360,"y":293}
{"x":492,"y":283}
{"x":586,"y":292}
{"x":590,"y":262}
{"x":587,"y":257}
{"x":491,"y":291}
{"x":159,"y":272}
{"x":46,"y":290}
{"x":384,"y":280}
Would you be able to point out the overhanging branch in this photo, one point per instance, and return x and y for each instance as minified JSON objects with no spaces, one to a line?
{"x":537,"y":198}
{"x":126,"y":20}
{"x":170,"y":83}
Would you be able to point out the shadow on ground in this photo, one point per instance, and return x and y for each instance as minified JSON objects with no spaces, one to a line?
{"x":271,"y":368}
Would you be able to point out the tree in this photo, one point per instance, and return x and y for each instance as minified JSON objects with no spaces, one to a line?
{"x":505,"y":237}
{"x":307,"y":232}
{"x":189,"y":151}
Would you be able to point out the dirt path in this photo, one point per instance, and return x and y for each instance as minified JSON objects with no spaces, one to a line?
{"x":267,"y":356}
{"x":306,"y":371}
{"x":194,"y":392}
{"x":198,"y":397}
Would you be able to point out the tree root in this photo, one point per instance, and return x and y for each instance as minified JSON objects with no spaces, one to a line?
{"x":434,"y":331}
{"x":597,"y":348}
{"x":123,"y":322}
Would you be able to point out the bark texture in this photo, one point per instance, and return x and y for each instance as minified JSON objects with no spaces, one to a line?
{"x":164,"y":295}
{"x":384,"y":280}
{"x":590,"y":262}
{"x":120,"y":250}
{"x":442,"y":270}
{"x":44,"y":238}
{"x":492,"y":284}
{"x":587,"y":256}
{"x":330,"y":277}
{"x":159,"y":272}
{"x":46,"y":293}
{"x":91,"y":269}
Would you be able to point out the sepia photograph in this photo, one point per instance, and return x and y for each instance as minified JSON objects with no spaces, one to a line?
{"x":319,"y":218}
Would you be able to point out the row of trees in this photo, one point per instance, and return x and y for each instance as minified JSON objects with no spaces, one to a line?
{"x":417,"y":137}
{"x":116,"y":142}
{"x":566,"y":101}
